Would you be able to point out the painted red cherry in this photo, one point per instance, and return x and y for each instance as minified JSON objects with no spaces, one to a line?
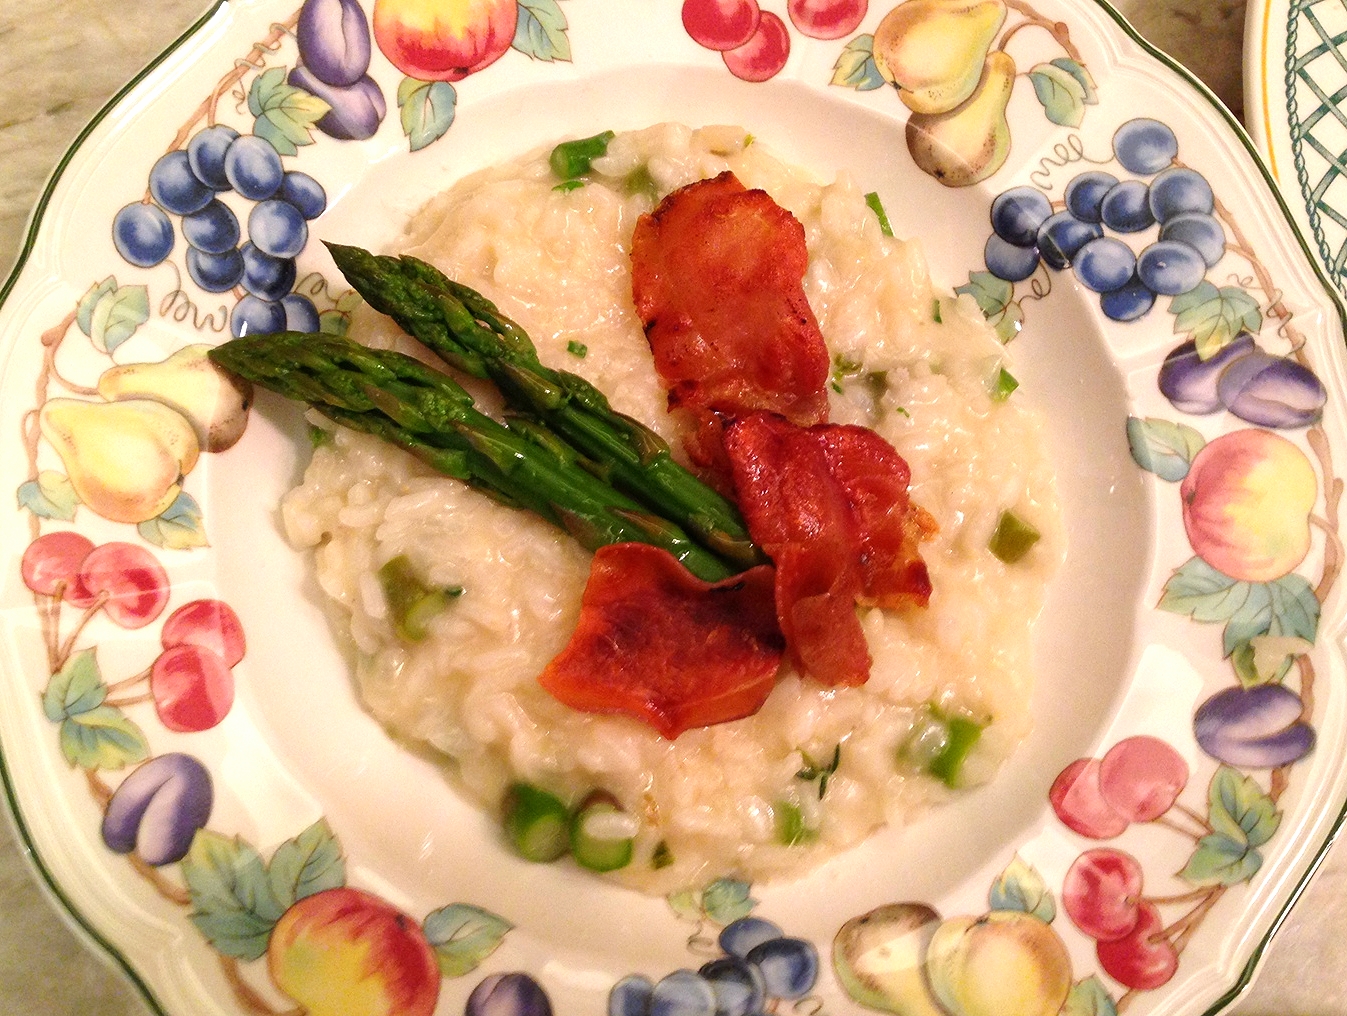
{"x":210,"y":624}
{"x":193,"y":688}
{"x":135,"y":584}
{"x":764,"y":54}
{"x":51,"y":566}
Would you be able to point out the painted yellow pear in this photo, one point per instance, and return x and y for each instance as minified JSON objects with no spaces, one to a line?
{"x":125,"y":459}
{"x":1004,"y":963}
{"x":933,"y":51}
{"x":970,"y":142}
{"x":880,"y":956}
{"x":213,"y":400}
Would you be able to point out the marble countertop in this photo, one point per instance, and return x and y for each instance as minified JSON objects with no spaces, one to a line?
{"x":62,"y":60}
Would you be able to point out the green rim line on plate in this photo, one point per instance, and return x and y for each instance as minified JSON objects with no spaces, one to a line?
{"x":81,"y":923}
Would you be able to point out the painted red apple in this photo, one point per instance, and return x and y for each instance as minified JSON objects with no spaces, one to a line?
{"x":344,"y":952}
{"x":444,"y":40}
{"x":1247,"y":500}
{"x":192,"y":687}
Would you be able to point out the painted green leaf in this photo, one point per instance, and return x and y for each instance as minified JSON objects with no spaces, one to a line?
{"x":726,"y":900}
{"x":540,"y":31}
{"x":996,"y":299}
{"x":102,"y":738}
{"x":1061,"y":94}
{"x":84,"y":311}
{"x":427,"y":110}
{"x":1239,"y":809}
{"x":1220,"y":860}
{"x":232,"y":902}
{"x":1163,"y":447}
{"x":462,"y":936}
{"x":1213,"y":317}
{"x":117,"y":315}
{"x":50,"y":496}
{"x":855,"y":67}
{"x":178,"y":527}
{"x":1020,"y":887}
{"x":307,"y":864}
{"x":1266,"y":659}
{"x":1089,"y":997}
{"x":1082,"y":75}
{"x":1205,"y":594}
{"x":76,"y":688}
{"x":333,"y":322}
{"x":1295,"y":608}
{"x":684,"y":904}
{"x":285,"y":114}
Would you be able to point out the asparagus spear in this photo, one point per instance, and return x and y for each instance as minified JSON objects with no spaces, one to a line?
{"x":467,"y":331}
{"x":401,"y":400}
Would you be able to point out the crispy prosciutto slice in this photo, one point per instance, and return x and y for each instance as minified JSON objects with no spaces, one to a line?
{"x":829,"y":505}
{"x":875,"y":479}
{"x":656,"y":643}
{"x":717,"y":277}
{"x":799,"y":515}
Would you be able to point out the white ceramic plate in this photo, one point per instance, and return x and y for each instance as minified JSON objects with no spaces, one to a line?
{"x":1201,"y":663}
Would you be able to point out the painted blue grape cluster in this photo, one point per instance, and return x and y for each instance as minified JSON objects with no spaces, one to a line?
{"x":1100,"y":210}
{"x":187,"y":183}
{"x":758,"y":965}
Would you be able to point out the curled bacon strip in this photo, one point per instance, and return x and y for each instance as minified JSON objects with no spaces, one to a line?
{"x":829,"y":505}
{"x":718,"y":280}
{"x":657,"y":643}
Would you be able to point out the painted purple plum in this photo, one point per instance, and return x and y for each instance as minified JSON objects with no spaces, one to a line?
{"x":1190,"y":383}
{"x":1254,"y":728}
{"x":158,"y":809}
{"x":513,"y":994}
{"x":1272,"y":391}
{"x":357,"y":110}
{"x":334,"y":41}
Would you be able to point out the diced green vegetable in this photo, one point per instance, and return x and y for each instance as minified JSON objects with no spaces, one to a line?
{"x":602,"y":833}
{"x":577,"y":349}
{"x":1005,"y":384}
{"x":537,"y":822}
{"x":639,"y":181}
{"x":569,"y":185}
{"x":571,"y":159}
{"x":939,"y":744}
{"x":1013,"y":537}
{"x":935,"y":311}
{"x":876,"y":206}
{"x":412,"y":603}
{"x":947,"y":766}
{"x":319,"y":436}
{"x":791,"y":830}
{"x":661,"y":856}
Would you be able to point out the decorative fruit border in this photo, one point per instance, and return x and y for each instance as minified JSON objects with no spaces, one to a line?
{"x":1248,"y":499}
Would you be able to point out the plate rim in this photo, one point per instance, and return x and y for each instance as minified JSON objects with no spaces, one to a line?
{"x":1258,"y":11}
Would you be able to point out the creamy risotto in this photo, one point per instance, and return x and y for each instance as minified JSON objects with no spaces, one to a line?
{"x":915,"y":364}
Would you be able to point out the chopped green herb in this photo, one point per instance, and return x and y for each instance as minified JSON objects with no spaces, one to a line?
{"x":935,"y":311}
{"x":577,"y":349}
{"x":602,"y":833}
{"x":836,"y":386}
{"x":903,"y":410}
{"x":1005,"y":384}
{"x":790,"y":828}
{"x":571,"y":159}
{"x":569,"y":185}
{"x":1012,"y":538}
{"x":319,"y":436}
{"x":813,"y":771}
{"x":661,"y":856}
{"x":537,"y":822}
{"x":412,"y":603}
{"x":876,"y":206}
